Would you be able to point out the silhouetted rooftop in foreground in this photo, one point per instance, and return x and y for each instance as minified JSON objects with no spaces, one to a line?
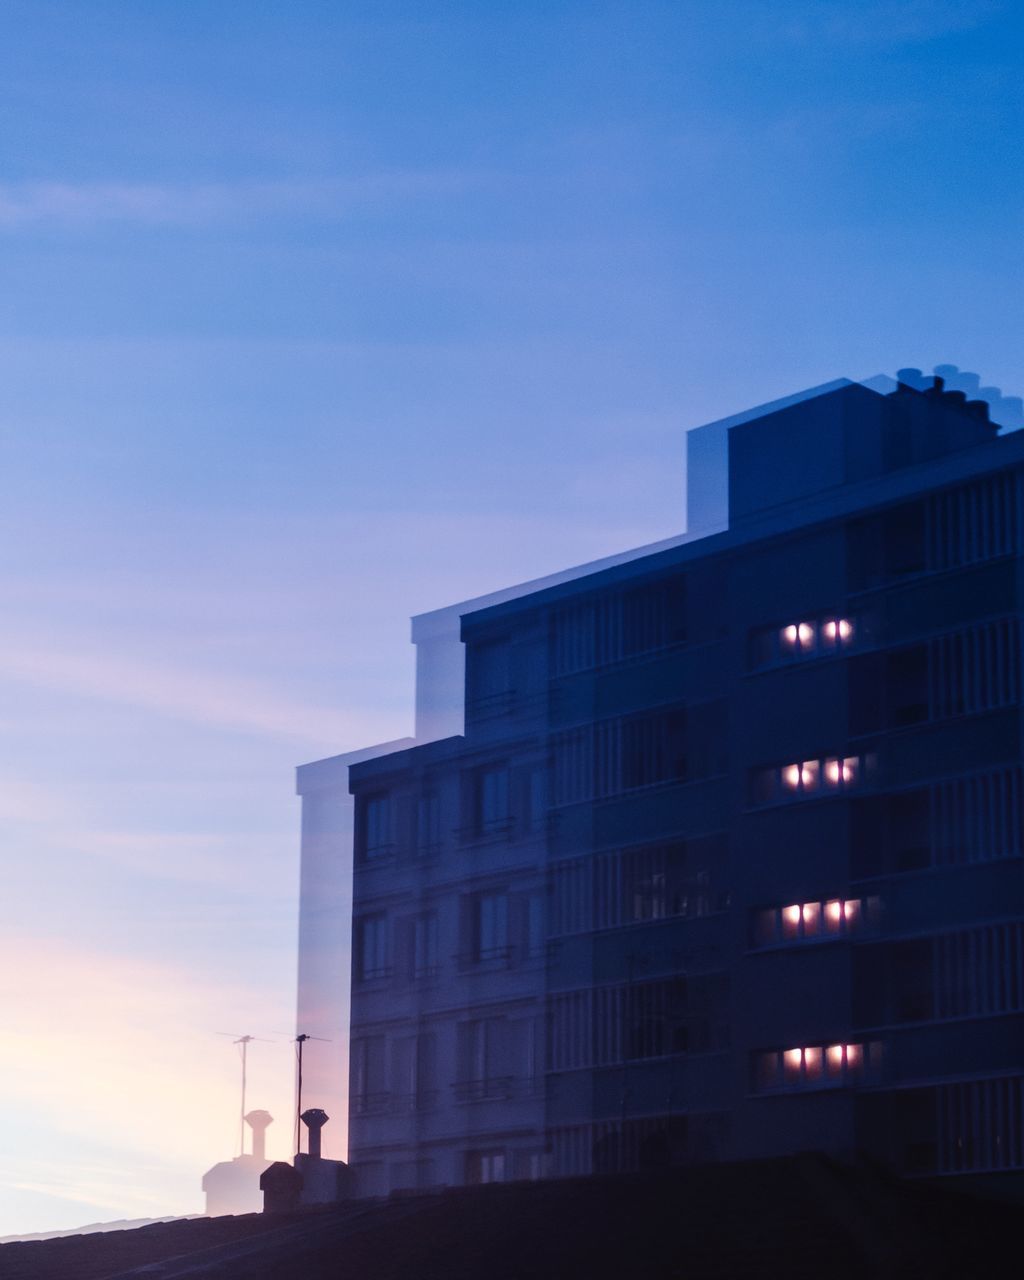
{"x":803,"y":1216}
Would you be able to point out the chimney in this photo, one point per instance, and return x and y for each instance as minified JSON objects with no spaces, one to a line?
{"x":314,"y":1120}
{"x":911,"y":379}
{"x":258,"y":1122}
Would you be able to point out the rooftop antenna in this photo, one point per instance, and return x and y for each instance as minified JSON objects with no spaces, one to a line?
{"x":300,"y":1040}
{"x":243,"y":1043}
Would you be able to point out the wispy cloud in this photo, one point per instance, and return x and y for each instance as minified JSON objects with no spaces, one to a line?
{"x":216,"y":701}
{"x":881,"y":22}
{"x":185,"y":204}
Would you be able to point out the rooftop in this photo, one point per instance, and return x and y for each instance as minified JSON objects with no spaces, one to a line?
{"x":799,"y":1217}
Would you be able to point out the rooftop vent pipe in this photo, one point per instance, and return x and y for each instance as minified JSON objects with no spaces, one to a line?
{"x":314,"y":1120}
{"x":258,"y":1121}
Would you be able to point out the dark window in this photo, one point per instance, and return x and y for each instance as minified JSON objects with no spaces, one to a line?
{"x":909,"y":831}
{"x":489,"y":1056}
{"x":888,"y":546}
{"x":903,"y":540}
{"x":888,"y":690}
{"x":654,"y":749}
{"x":490,"y":666}
{"x":424,"y":945}
{"x":367,"y":1074}
{"x":653,"y":617}
{"x":893,"y":983}
{"x":890,"y":834}
{"x":485,"y":1166}
{"x":912,"y":980}
{"x":489,"y":926}
{"x":372,"y":949}
{"x":907,"y":686}
{"x":428,"y":823}
{"x":537,"y":797}
{"x":376,"y":833}
{"x":534,"y":931}
{"x":492,"y":799}
{"x":607,"y":628}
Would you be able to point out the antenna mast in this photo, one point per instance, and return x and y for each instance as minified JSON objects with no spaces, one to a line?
{"x":243,"y":1043}
{"x":300,"y":1040}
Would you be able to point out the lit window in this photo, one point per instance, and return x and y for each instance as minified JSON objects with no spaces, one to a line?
{"x":810,"y":913}
{"x":791,"y":917}
{"x":798,"y":637}
{"x":841,"y":772}
{"x":801,"y":777}
{"x":837,"y":632}
{"x":813,"y":1067}
{"x":806,"y":639}
{"x":799,"y":920}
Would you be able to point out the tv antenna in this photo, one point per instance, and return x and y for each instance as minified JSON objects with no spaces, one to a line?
{"x":243,"y":1043}
{"x":300,"y":1040}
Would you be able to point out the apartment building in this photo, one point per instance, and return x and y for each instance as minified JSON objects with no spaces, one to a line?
{"x":713,"y":850}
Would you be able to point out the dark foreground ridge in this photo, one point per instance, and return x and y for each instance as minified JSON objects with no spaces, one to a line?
{"x":799,"y":1217}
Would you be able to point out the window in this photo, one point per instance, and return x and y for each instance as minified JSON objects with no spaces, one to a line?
{"x":807,"y":778}
{"x":969,"y":973}
{"x":485,"y":1166}
{"x":822,"y":1066}
{"x":367,"y":1075}
{"x":806,"y":638}
{"x":981,"y":1125}
{"x":677,"y":744}
{"x":528,"y":1165}
{"x":958,"y":822}
{"x":376,"y":826}
{"x":606,"y":1026}
{"x":490,"y":668}
{"x":535,"y":935}
{"x":486,"y":1058}
{"x":488,"y":927}
{"x":412,"y":1175}
{"x":798,"y":638}
{"x":413,"y":1072}
{"x":492,"y":793}
{"x":904,"y":540}
{"x":614,"y":626}
{"x":974,"y":522}
{"x":632,"y":886}
{"x":372,"y":947}
{"x":424,"y":946}
{"x":653,"y":749}
{"x":813,"y":921}
{"x":967,"y":525}
{"x":965,"y":672}
{"x":537,"y":798}
{"x":428,"y":823}
{"x":802,"y":777}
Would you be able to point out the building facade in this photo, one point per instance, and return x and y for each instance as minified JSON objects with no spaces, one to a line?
{"x":720,"y":855}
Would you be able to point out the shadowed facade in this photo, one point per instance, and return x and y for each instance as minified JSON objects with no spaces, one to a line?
{"x":720,"y":857}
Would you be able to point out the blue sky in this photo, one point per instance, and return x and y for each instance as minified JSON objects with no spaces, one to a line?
{"x":316,"y":315}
